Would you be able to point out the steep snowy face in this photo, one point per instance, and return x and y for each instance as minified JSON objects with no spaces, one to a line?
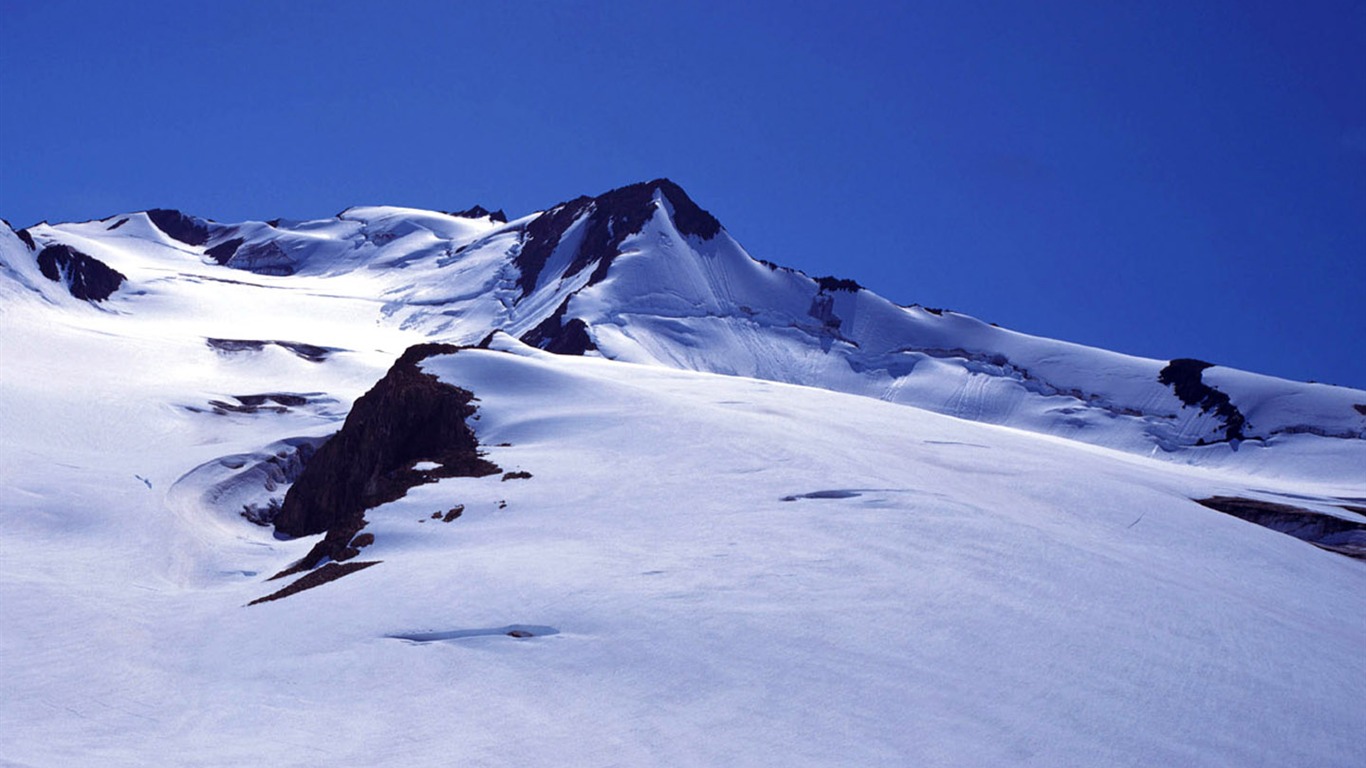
{"x":644,"y":274}
{"x":666,"y":289}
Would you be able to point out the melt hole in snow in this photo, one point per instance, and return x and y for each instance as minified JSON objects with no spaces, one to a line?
{"x":518,"y":631}
{"x":833,"y":494}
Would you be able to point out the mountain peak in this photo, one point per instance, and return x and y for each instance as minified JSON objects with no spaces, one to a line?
{"x":178,"y":225}
{"x":480,"y":212}
{"x":636,"y":200}
{"x":609,"y":219}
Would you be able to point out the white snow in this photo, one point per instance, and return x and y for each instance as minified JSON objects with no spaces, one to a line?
{"x":935,"y":592}
{"x":674,"y":300}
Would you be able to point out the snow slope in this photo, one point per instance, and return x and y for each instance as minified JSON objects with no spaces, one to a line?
{"x":642,"y":274}
{"x":711,"y":569}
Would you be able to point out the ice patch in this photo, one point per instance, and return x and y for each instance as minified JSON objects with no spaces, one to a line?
{"x":834,"y":494}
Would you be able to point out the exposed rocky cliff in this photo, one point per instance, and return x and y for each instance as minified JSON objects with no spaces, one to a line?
{"x":86,"y":277}
{"x":607,"y":220}
{"x":1330,"y":532}
{"x":1185,"y":377}
{"x":190,"y":230}
{"x":406,"y":418}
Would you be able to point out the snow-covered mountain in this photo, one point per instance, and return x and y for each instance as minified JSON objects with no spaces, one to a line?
{"x":643,"y":274}
{"x":886,"y":535}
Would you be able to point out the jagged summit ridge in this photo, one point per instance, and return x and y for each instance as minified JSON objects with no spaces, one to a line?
{"x":605,"y":222}
{"x":642,"y":273}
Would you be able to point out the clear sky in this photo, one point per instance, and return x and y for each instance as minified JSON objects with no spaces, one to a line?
{"x":1161,"y":178}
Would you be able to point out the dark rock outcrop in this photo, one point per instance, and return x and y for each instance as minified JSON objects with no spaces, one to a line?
{"x":229,"y":346}
{"x":328,"y":573}
{"x":480,"y":212}
{"x":689,"y":218}
{"x":541,"y":237}
{"x":224,"y":251}
{"x":310,"y":352}
{"x":285,"y":399}
{"x":407,"y":417}
{"x":270,"y":402}
{"x":178,"y":226}
{"x":262,"y":258}
{"x":612,"y":217}
{"x":1329,"y":532}
{"x":831,"y":283}
{"x":24,"y":235}
{"x":823,"y":309}
{"x":555,"y":334}
{"x":86,"y":277}
{"x":1185,"y":377}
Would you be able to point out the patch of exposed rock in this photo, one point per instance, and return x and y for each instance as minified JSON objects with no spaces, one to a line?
{"x":190,"y":230}
{"x":85,"y":277}
{"x":328,"y":573}
{"x":407,"y":417}
{"x":262,"y":258}
{"x":224,"y":251}
{"x":609,"y":219}
{"x":480,"y":212}
{"x":1335,"y":534}
{"x":24,"y":235}
{"x":559,"y":336}
{"x":1186,"y":378}
{"x":310,"y":352}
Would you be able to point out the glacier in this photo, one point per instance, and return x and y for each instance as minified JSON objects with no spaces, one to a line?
{"x":753,"y":517}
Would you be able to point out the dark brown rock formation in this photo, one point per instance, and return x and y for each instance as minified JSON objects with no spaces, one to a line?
{"x":26,"y":237}
{"x":611,"y":218}
{"x":831,"y":283}
{"x":329,"y":572}
{"x":224,"y":251}
{"x":1329,"y":532}
{"x":178,"y":226}
{"x":86,"y":277}
{"x":407,"y":417}
{"x":559,"y":336}
{"x":479,"y":212}
{"x":1185,"y":377}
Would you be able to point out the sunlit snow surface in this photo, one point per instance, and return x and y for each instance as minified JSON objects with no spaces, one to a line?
{"x":702,"y":569}
{"x":664,"y":297}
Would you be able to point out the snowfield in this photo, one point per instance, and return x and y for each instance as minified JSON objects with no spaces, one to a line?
{"x":701,"y":569}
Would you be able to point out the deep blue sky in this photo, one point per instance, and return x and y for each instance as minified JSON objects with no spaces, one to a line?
{"x":1161,"y":178}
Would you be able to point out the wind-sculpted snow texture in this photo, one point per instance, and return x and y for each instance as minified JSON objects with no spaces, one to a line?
{"x":786,"y":564}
